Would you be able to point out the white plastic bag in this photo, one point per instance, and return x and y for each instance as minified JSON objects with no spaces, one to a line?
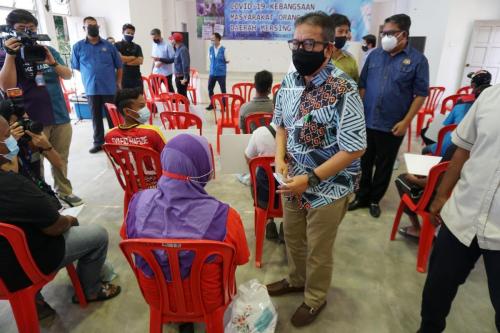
{"x":251,"y":310}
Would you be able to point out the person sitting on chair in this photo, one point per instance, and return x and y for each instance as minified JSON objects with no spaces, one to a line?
{"x":181,"y":208}
{"x":261,"y":103}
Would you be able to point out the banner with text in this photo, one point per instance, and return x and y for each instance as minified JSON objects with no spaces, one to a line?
{"x":274,"y":19}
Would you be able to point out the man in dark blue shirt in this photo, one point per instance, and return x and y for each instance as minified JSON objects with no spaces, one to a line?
{"x":101,"y":67}
{"x":394,"y":84}
{"x":182,"y":64}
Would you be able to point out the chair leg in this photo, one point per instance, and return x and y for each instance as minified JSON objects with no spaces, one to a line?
{"x":425,"y":243}
{"x":155,"y":321}
{"x":409,"y":138}
{"x":420,"y":123}
{"x":215,"y":321}
{"x":24,"y":309}
{"x":219,"y":133}
{"x":260,"y":230}
{"x":397,"y":220}
{"x":195,"y":101}
{"x":75,"y":280}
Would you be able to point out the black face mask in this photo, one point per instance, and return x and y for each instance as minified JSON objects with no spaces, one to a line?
{"x":339,"y":42}
{"x":157,"y":41}
{"x":93,"y":30}
{"x":364,"y":48}
{"x":307,"y":63}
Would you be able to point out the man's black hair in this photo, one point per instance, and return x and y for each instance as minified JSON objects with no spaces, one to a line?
{"x":403,"y":22}
{"x":127,"y":26}
{"x":155,"y":31}
{"x":370,"y":39}
{"x":89,"y":18}
{"x":319,"y":19}
{"x":20,"y":16}
{"x":263,"y":81}
{"x":125,"y":98}
{"x":340,"y":20}
{"x":217,"y":35}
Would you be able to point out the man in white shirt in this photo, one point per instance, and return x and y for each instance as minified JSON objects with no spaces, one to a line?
{"x":470,"y":218}
{"x":163,"y":54}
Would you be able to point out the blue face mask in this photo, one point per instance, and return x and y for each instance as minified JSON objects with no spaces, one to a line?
{"x":128,"y":38}
{"x":12,"y":146}
{"x":144,"y":115}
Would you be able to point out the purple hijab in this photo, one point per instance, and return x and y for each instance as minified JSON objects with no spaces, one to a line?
{"x":179,"y":208}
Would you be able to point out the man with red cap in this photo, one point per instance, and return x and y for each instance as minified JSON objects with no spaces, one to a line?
{"x":181,"y":64}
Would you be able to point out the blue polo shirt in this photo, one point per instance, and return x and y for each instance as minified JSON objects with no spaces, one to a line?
{"x":391,"y":84}
{"x":97,"y":64}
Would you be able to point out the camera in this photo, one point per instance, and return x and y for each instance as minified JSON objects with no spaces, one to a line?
{"x":30,"y":52}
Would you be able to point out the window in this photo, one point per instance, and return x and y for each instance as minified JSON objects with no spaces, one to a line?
{"x":60,"y":7}
{"x":23,"y":4}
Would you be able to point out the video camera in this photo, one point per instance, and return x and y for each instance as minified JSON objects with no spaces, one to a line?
{"x":30,"y":52}
{"x":13,"y":104}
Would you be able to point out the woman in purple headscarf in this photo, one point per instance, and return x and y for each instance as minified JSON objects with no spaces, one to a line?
{"x":181,"y":208}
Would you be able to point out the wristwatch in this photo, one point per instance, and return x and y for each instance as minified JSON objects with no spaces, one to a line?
{"x":313,"y":179}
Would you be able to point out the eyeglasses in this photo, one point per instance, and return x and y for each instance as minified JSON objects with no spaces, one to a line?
{"x":389,"y":33}
{"x":307,"y":44}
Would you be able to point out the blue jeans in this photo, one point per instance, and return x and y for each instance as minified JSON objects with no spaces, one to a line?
{"x":88,"y":245}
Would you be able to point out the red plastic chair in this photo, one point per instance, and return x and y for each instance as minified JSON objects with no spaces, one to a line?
{"x":193,"y":84}
{"x":136,"y":168}
{"x":244,"y":89}
{"x":149,"y":97}
{"x":467,"y":90}
{"x":449,"y":103}
{"x":441,"y":135}
{"x":180,"y":120}
{"x":229,"y":105}
{"x":258,"y":120}
{"x":159,"y":84}
{"x":174,"y":304}
{"x":420,"y":208}
{"x":23,"y":301}
{"x":261,"y":215}
{"x":173,"y":102}
{"x":66,"y":93}
{"x":116,"y":117}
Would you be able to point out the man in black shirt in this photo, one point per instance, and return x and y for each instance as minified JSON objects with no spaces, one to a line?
{"x":132,"y":58}
{"x":54,"y":240}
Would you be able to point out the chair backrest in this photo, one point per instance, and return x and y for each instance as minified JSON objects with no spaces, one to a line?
{"x":174,"y":102}
{"x":180,"y":120}
{"x":441,"y":135}
{"x":449,"y":102}
{"x":275,"y":89}
{"x":159,"y":84}
{"x":17,"y":240}
{"x":431,"y":102}
{"x":432,"y":181}
{"x":266,"y":163}
{"x":193,"y":78}
{"x":255,"y":120}
{"x":467,"y":90}
{"x":136,"y":168}
{"x":147,"y":89}
{"x":244,"y":89}
{"x":229,"y":104}
{"x":156,"y":292}
{"x":116,"y":117}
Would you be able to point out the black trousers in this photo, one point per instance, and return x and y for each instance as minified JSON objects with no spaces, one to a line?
{"x":449,"y":267}
{"x":96,"y":105}
{"x":170,"y":84}
{"x":381,"y":152}
{"x":212,"y":80}
{"x":181,"y":88}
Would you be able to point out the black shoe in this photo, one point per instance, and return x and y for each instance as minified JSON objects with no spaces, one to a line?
{"x":186,"y":328}
{"x":209,"y":108}
{"x":375,"y":210}
{"x":357,"y":203}
{"x":281,"y":234}
{"x":44,"y":310}
{"x":271,"y":231}
{"x":95,"y":149}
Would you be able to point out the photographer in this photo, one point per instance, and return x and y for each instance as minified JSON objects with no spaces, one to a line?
{"x":54,"y":240}
{"x":43,"y":96}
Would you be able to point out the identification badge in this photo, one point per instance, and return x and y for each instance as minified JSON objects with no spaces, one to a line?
{"x":406,"y":61}
{"x":40,"y":80}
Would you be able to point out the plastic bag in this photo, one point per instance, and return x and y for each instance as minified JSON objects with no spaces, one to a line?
{"x":251,"y":310}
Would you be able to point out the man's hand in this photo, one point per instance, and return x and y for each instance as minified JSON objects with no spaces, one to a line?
{"x":400,"y":128}
{"x":158,"y":64}
{"x":49,"y":59}
{"x":13,"y":44}
{"x":281,"y":167}
{"x":156,"y":58}
{"x":39,"y":140}
{"x":435,"y":209}
{"x":73,"y":220}
{"x":296,"y":185}
{"x":16,"y":130}
{"x":184,"y":81}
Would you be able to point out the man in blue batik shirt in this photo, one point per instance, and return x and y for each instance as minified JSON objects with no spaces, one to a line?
{"x":394,"y":83}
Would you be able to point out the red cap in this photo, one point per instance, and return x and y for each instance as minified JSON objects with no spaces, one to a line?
{"x":178,"y":37}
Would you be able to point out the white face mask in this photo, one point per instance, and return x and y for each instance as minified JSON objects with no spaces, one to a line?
{"x":389,"y":43}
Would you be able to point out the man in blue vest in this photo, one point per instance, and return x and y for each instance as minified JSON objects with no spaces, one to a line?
{"x":218,"y":66}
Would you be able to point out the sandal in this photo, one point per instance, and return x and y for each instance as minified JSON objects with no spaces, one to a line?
{"x":108,"y":291}
{"x":404,"y":232}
